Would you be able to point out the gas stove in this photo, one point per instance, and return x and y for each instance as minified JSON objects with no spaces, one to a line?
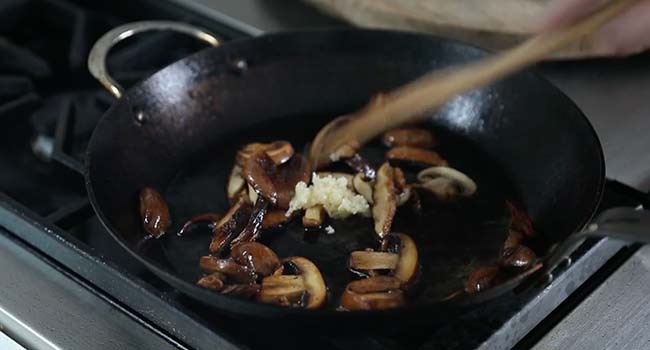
{"x":67,"y":284}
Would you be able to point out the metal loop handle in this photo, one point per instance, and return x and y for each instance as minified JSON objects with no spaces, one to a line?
{"x":97,"y":57}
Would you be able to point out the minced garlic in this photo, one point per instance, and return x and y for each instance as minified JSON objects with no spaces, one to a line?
{"x":332,"y":193}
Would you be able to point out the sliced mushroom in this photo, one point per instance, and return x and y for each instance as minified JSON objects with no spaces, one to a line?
{"x":314,"y":217}
{"x":252,"y":195}
{"x":275,"y":218}
{"x":402,"y":189}
{"x":257,"y":257}
{"x":363,"y":187}
{"x":236,"y":183}
{"x":285,"y":290}
{"x":446,"y":183}
{"x":519,"y":257}
{"x":316,"y":158}
{"x":385,"y":200}
{"x":481,"y":279}
{"x":214,"y":281}
{"x":344,"y":152}
{"x":231,"y":224}
{"x":369,"y":260}
{"x":242,"y":290}
{"x":211,"y":218}
{"x":258,"y":172}
{"x":520,"y":221}
{"x":276,"y":184}
{"x":412,"y":137}
{"x":228,"y":267}
{"x":253,"y":228}
{"x":373,"y":293}
{"x":154,"y":212}
{"x":415,"y":156}
{"x":408,"y":263}
{"x":279,"y":152}
{"x":514,"y":239}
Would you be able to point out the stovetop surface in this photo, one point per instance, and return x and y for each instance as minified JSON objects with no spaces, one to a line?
{"x":49,"y":105}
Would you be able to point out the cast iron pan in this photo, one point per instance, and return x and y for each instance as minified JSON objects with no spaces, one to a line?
{"x":178,"y":131}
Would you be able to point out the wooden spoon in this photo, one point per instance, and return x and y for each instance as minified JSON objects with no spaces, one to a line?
{"x":410,"y":103}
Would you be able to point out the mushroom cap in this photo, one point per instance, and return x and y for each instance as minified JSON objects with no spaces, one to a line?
{"x":279,"y":152}
{"x":257,"y":257}
{"x":228,"y":267}
{"x":314,"y":283}
{"x":154,"y":212}
{"x":276,"y":183}
{"x":408,"y":263}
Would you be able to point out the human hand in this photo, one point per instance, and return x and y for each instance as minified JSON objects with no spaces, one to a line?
{"x":626,"y":34}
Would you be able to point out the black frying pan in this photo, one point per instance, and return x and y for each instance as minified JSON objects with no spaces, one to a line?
{"x":178,"y":131}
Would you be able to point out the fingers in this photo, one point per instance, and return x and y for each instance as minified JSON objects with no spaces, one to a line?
{"x":562,"y":12}
{"x":627,"y":34}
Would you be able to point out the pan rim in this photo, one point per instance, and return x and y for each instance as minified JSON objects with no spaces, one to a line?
{"x":249,"y":308}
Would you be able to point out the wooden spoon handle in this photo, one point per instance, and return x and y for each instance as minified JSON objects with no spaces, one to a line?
{"x":411,"y":102}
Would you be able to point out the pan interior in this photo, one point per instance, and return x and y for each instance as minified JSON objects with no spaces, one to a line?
{"x":452,"y":239}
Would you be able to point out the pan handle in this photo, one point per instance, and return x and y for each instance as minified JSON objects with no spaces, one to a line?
{"x":625,"y":224}
{"x":97,"y":57}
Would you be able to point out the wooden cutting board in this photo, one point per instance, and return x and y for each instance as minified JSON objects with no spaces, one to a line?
{"x":490,"y":24}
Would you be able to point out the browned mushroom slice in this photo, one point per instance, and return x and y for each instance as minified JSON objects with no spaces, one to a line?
{"x":373,"y":293}
{"x":154,"y":212}
{"x":287,"y":176}
{"x":214,"y":281}
{"x":242,"y":290}
{"x":369,"y":260}
{"x":415,"y":156}
{"x":314,"y":217}
{"x":258,"y":172}
{"x":316,"y":289}
{"x":276,"y":184}
{"x":385,"y":201}
{"x":230,"y":225}
{"x":279,"y":152}
{"x":446,"y":183}
{"x":408,"y":263}
{"x":285,"y":290}
{"x":519,"y":258}
{"x":253,"y":228}
{"x":275,"y":218}
{"x":481,"y":279}
{"x":316,"y":158}
{"x":402,"y":189}
{"x":520,"y":221}
{"x":363,"y":187}
{"x":257,"y":257}
{"x":514,"y":239}
{"x":305,"y":288}
{"x":236,"y":184}
{"x":211,"y":218}
{"x":228,"y":267}
{"x":412,"y":137}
